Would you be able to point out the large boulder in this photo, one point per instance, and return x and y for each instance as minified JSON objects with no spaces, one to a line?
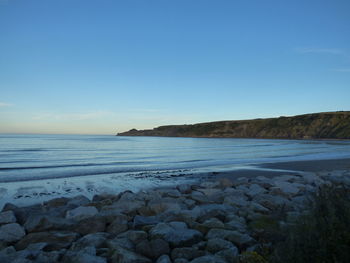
{"x":122,"y":255}
{"x":81,"y":212}
{"x":7,"y":217}
{"x":217,"y":244}
{"x":40,"y":223}
{"x":96,"y":240}
{"x":11,"y":232}
{"x":55,"y":240}
{"x":176,"y":233}
{"x":239,"y":239}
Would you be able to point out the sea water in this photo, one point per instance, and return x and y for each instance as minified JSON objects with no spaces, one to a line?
{"x":38,"y":167}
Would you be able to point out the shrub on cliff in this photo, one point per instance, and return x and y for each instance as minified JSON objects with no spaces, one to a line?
{"x":323,"y":234}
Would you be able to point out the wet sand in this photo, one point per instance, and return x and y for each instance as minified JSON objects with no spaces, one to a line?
{"x":311,"y":166}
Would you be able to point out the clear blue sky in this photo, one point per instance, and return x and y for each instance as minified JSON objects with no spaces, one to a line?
{"x":107,"y":66}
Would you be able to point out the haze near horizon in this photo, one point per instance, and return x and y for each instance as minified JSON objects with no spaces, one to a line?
{"x":102,"y":67}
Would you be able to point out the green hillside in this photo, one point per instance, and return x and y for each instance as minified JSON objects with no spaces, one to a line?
{"x":329,"y":125}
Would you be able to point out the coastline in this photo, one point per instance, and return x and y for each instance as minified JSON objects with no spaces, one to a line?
{"x":211,"y":220}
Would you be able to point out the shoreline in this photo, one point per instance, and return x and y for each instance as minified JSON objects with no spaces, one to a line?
{"x":215,"y":219}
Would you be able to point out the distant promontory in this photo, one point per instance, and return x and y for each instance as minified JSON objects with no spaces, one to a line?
{"x":327,"y":125}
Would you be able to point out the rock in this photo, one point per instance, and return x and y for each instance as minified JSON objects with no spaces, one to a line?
{"x":40,"y":223}
{"x":7,"y":255}
{"x":96,"y":240}
{"x":184,"y":188}
{"x":236,"y":225}
{"x":288,"y":189}
{"x":91,"y":225}
{"x":144,"y":248}
{"x":22,"y":213}
{"x":160,"y":205}
{"x":85,"y":258}
{"x":77,"y":201}
{"x":120,"y":242}
{"x":214,"y":210}
{"x":125,"y":207}
{"x":239,"y":239}
{"x":176,"y":233}
{"x":272,"y":202}
{"x":135,"y":236}
{"x":188,"y":253}
{"x":255,"y":207}
{"x":55,"y":240}
{"x":11,"y":232}
{"x":56,"y":202}
{"x":225,"y":182}
{"x":169,"y":192}
{"x":229,"y":255}
{"x":46,"y":257}
{"x":163,"y":259}
{"x":200,"y":197}
{"x":159,"y":247}
{"x":110,"y":215}
{"x":127,"y":196}
{"x":81,"y":212}
{"x":140,"y":221}
{"x":208,"y":259}
{"x":119,"y":225}
{"x":122,"y":255}
{"x":236,"y":201}
{"x":214,"y":194}
{"x":255,"y":189}
{"x":217,"y":244}
{"x":7,"y":217}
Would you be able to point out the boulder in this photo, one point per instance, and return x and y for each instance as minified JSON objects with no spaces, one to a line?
{"x":41,"y":223}
{"x":81,"y":212}
{"x":91,"y":225}
{"x":160,"y":205}
{"x":7,"y":217}
{"x":122,"y":255}
{"x":163,"y":259}
{"x":11,"y":232}
{"x":184,"y":188}
{"x":125,"y":207}
{"x":239,"y":239}
{"x":229,"y":255}
{"x":255,"y":189}
{"x":56,"y":202}
{"x":77,"y":201}
{"x":140,"y":221}
{"x":176,"y":233}
{"x":188,"y":253}
{"x":208,"y":259}
{"x":55,"y":240}
{"x":96,"y":240}
{"x":119,"y":225}
{"x":217,"y":244}
{"x":135,"y":236}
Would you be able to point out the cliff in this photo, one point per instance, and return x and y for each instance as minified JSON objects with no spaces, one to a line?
{"x":328,"y":125}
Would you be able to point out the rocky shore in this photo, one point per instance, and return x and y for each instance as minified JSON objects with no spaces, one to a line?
{"x":212,"y":221}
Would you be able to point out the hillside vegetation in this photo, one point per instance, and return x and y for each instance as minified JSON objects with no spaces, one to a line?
{"x":330,"y":125}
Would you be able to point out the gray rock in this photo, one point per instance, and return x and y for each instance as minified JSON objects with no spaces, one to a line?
{"x":86,"y":258}
{"x":229,"y":255}
{"x":122,"y":255}
{"x":49,"y":257}
{"x":184,"y":188}
{"x":119,"y":225}
{"x":289,"y":189}
{"x":160,"y":205}
{"x":134,"y":236}
{"x":163,"y":259}
{"x":239,"y":239}
{"x":125,"y":207}
{"x":159,"y":247}
{"x":56,"y":202}
{"x":140,"y":221}
{"x":79,"y":200}
{"x":208,"y":259}
{"x":188,"y":253}
{"x":81,"y":212}
{"x":176,"y":233}
{"x":272,"y":202}
{"x":255,"y":189}
{"x":40,"y":223}
{"x":181,"y":260}
{"x":144,"y":248}
{"x":225,"y":182}
{"x":120,"y":242}
{"x":11,"y":232}
{"x":236,"y":225}
{"x":55,"y":240}
{"x":90,"y":225}
{"x":96,"y":240}
{"x":236,"y":201}
{"x":256,"y":207}
{"x":7,"y":255}
{"x":214,"y":210}
{"x":200,"y":197}
{"x":217,"y":244}
{"x":7,"y":217}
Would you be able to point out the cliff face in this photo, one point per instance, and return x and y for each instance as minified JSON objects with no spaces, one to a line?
{"x":330,"y":125}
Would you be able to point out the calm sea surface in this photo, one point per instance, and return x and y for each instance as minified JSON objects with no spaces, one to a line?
{"x":33,"y":157}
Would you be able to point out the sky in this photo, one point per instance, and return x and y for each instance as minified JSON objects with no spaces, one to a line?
{"x":106,"y":66}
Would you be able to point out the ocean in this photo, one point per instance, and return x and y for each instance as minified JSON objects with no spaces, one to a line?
{"x":38,"y":167}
